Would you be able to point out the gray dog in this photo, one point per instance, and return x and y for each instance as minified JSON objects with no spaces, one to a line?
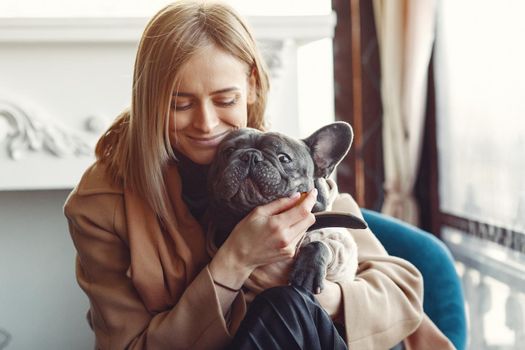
{"x":253,"y":168}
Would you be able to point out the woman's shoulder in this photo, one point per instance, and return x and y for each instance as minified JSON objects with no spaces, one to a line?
{"x":96,"y":197}
{"x":96,"y":188}
{"x":97,"y":180}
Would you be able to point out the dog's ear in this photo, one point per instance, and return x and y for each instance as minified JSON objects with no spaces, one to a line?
{"x":328,"y":146}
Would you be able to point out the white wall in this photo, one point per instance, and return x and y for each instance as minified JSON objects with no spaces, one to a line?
{"x":41,"y":305}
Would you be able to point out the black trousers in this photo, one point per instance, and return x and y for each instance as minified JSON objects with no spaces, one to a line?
{"x":287,"y":318}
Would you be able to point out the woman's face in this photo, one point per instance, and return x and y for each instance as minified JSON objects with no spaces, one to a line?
{"x":212,"y":100}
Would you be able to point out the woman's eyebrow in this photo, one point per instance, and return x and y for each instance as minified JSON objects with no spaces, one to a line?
{"x":220,"y":91}
{"x":228,"y":89}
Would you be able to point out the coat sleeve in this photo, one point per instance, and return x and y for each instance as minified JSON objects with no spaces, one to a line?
{"x":117,"y":314}
{"x":383,"y":304}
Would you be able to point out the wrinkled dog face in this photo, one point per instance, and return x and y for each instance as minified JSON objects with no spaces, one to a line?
{"x":255,"y":168}
{"x":252,"y":168}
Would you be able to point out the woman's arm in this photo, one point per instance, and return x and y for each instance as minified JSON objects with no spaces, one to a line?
{"x":267,"y":235}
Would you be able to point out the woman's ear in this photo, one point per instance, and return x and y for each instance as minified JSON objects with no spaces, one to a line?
{"x":252,"y":88}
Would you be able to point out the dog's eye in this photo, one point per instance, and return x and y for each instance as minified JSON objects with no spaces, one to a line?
{"x":228,"y":151}
{"x":284,"y":158}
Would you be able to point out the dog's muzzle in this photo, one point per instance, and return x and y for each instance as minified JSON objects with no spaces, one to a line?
{"x":251,"y":156}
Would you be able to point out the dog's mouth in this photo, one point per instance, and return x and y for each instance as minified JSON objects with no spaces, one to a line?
{"x":251,"y":190}
{"x":254,"y":192}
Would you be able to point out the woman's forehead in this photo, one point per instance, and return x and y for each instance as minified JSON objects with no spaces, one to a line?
{"x":212,"y":70}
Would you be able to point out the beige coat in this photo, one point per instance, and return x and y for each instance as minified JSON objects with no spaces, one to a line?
{"x":149,"y":286}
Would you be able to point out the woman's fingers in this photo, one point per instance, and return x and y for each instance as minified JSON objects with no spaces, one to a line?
{"x":278,"y":205}
{"x":300,"y":228}
{"x":299,"y":219}
{"x":299,"y":212}
{"x":289,"y":206}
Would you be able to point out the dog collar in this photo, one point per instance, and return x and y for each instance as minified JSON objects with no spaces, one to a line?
{"x":337,"y":219}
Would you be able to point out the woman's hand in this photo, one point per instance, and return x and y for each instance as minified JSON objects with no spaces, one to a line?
{"x":268,"y":234}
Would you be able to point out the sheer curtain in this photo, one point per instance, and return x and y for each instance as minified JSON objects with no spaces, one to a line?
{"x":405,"y":31}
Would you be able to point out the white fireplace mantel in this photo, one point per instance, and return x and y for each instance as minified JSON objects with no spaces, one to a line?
{"x":62,"y":81}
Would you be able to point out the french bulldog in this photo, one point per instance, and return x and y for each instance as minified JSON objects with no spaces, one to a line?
{"x":252,"y":168}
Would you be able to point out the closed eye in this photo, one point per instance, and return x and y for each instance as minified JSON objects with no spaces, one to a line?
{"x":184,"y":107}
{"x":284,"y":158}
{"x":181,"y":104}
{"x":226,"y":102}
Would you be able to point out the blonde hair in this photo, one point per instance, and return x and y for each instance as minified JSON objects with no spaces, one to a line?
{"x":136,"y":147}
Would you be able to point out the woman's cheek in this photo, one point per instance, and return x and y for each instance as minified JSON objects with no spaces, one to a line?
{"x":241,"y":118}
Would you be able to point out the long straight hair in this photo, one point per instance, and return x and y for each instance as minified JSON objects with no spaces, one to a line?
{"x":136,"y":147}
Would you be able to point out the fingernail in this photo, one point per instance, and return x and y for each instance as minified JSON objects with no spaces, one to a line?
{"x":295,"y":195}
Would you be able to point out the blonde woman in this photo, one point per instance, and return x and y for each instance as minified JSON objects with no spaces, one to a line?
{"x":136,"y":216}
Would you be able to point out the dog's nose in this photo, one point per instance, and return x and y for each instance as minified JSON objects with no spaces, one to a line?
{"x":252,"y":156}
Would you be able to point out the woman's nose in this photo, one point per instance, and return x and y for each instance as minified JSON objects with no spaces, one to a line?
{"x":206,"y":118}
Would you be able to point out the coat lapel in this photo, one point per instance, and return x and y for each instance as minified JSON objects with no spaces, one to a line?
{"x":164,"y":258}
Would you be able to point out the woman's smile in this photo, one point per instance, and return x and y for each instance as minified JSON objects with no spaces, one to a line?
{"x":208,"y":141}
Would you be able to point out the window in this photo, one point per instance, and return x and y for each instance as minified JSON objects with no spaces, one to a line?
{"x":480,"y":109}
{"x":480,"y":80}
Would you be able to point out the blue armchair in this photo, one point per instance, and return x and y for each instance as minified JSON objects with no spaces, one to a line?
{"x":443,"y":296}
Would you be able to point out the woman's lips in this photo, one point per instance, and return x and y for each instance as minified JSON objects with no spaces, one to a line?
{"x":211,"y":141}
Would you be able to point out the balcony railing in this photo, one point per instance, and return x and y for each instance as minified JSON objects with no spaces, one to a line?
{"x":494,"y":284}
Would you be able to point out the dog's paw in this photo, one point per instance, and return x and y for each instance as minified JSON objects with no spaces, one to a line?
{"x":309,"y":270}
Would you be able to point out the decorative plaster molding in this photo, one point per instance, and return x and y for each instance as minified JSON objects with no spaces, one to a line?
{"x":26,"y":133}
